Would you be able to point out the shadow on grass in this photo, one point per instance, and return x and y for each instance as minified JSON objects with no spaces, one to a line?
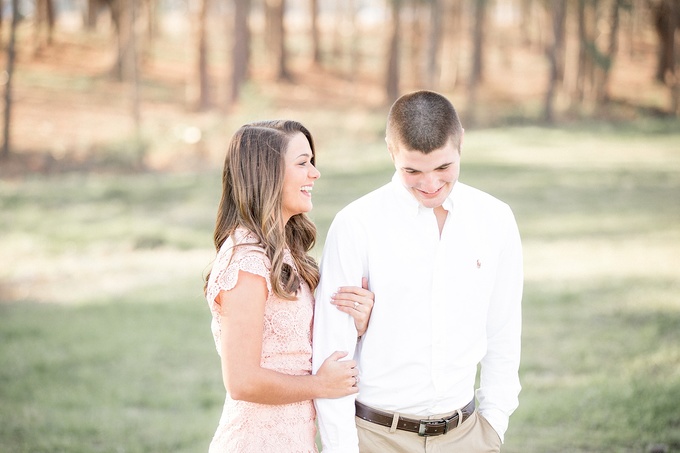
{"x":600,"y":368}
{"x":118,"y":375}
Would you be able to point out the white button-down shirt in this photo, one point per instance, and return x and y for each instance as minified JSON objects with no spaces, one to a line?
{"x":442,"y":306}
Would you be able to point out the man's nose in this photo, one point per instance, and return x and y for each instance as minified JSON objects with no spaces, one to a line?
{"x":429,"y":182}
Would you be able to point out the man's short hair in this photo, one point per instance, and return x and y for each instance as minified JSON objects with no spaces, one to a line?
{"x":423,"y":121}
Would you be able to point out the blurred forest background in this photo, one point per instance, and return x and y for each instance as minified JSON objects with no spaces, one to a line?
{"x":85,"y":78}
{"x":115,"y":121}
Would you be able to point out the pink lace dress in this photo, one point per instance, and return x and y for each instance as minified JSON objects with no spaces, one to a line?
{"x":286,"y":347}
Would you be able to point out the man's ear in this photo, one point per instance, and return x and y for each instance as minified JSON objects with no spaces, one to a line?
{"x":389,"y":149}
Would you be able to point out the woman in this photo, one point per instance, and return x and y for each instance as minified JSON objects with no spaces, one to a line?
{"x":260,"y":293}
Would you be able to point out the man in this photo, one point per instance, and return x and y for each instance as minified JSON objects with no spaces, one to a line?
{"x":445,"y":263}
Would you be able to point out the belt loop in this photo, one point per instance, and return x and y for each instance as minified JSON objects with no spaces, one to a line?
{"x":460,"y":417}
{"x":395,"y":422}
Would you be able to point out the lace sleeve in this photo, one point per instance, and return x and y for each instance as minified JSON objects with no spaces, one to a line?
{"x":231,"y":259}
{"x":225,"y":272}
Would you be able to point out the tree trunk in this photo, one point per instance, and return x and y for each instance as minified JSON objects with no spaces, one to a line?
{"x":151,"y":20}
{"x":525,"y":22}
{"x":635,"y":26}
{"x":434,"y":45}
{"x":477,"y":67}
{"x":278,"y":11}
{"x":673,"y":76}
{"x":90,"y":15}
{"x":51,"y":19}
{"x":44,"y":24}
{"x":148,"y":16}
{"x":270,"y":28}
{"x":453,"y":42}
{"x":92,"y":10}
{"x":664,"y":24}
{"x":608,"y":62}
{"x":394,"y":49}
{"x":416,"y":50}
{"x":316,"y":41}
{"x":582,"y":62}
{"x":131,"y":71}
{"x":354,"y":41}
{"x":559,"y":12}
{"x":666,"y":17}
{"x":592,"y":52}
{"x":120,"y":16}
{"x":11,"y":54}
{"x":477,"y":71}
{"x":337,"y":32}
{"x":2,"y":18}
{"x":202,"y":78}
{"x":560,"y":50}
{"x":241,"y":48}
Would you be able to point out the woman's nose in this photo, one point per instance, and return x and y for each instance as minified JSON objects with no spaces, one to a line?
{"x":314,"y":173}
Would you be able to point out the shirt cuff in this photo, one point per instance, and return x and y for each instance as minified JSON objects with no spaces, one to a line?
{"x":498,"y":421}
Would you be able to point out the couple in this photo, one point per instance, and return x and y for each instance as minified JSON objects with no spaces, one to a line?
{"x":444,"y":265}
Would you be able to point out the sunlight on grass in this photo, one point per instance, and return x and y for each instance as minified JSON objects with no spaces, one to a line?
{"x":587,"y":259}
{"x":106,"y":341}
{"x":586,"y":148}
{"x":88,"y":276}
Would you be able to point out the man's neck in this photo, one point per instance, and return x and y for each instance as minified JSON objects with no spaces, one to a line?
{"x":440,"y":213}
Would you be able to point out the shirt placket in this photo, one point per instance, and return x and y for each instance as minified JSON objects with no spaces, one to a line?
{"x":439,"y":332}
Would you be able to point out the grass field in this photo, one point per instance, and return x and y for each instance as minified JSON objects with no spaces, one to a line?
{"x":105,"y":343}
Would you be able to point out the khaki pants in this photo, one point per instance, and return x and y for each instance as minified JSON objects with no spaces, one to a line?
{"x":475,"y":435}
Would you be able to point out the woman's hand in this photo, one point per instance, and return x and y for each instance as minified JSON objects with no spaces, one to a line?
{"x":356,"y":302}
{"x":338,"y":377}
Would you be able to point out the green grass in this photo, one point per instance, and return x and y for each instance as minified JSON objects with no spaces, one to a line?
{"x":120,"y":375}
{"x":105,"y":340}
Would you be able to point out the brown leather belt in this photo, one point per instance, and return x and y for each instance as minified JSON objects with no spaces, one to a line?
{"x":423,"y":427}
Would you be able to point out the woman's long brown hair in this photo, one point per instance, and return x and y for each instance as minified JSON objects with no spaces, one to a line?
{"x":252,"y":185}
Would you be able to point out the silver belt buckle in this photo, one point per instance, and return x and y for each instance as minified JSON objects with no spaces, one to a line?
{"x":424,"y":424}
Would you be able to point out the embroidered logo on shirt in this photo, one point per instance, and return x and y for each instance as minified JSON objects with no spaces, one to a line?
{"x":479,"y":264}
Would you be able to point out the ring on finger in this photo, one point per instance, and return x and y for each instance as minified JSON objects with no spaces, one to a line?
{"x":356,"y":305}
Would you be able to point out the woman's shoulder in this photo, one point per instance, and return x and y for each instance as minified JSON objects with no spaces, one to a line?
{"x":241,"y":251}
{"x":241,"y":246}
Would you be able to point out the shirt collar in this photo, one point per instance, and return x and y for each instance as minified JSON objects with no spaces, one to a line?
{"x":409,"y":201}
